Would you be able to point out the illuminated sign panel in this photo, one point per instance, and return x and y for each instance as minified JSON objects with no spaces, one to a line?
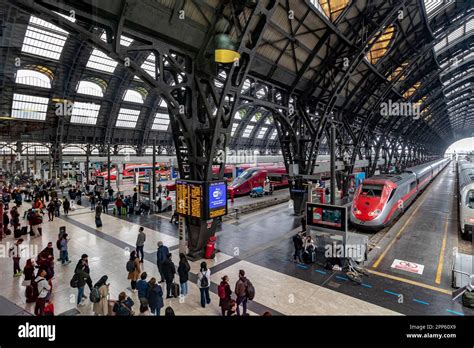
{"x":203,"y":200}
{"x":217,"y":199}
{"x":327,"y":216}
{"x":189,"y":198}
{"x":100,"y":181}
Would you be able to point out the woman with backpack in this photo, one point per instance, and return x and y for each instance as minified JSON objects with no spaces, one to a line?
{"x":134,"y":271}
{"x":183,"y":272}
{"x":100,"y":297}
{"x":123,"y":307}
{"x":224,"y":292}
{"x":29,"y":272}
{"x":204,"y":282}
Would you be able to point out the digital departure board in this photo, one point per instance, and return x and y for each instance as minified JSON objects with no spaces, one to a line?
{"x":189,"y":198}
{"x":144,"y":187}
{"x":203,"y":200}
{"x":100,"y":181}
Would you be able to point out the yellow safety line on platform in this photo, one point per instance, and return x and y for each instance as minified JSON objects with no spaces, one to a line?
{"x":412,"y":282}
{"x":441,"y":254}
{"x":375,"y":265}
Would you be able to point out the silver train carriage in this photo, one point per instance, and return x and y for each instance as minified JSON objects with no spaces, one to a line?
{"x":466,"y":197}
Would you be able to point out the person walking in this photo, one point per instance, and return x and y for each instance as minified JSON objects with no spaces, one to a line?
{"x":51,"y":208}
{"x":141,"y":243}
{"x":204,"y":282}
{"x":84,"y":262}
{"x":224,"y":292}
{"x":43,"y":293}
{"x":93,"y":201}
{"x":155,"y":297}
{"x":64,"y":255}
{"x":161,"y":256}
{"x":105,"y":204}
{"x":169,"y":270}
{"x":298,"y":244}
{"x":102,"y":306}
{"x":183,"y":272}
{"x":134,"y":271}
{"x":98,"y":212}
{"x":242,"y":292}
{"x":83,"y":278}
{"x":66,"y":206}
{"x":15,"y":254}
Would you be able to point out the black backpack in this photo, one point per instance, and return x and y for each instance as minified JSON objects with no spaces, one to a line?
{"x":250,"y":290}
{"x":94,"y":296}
{"x":130,"y":266}
{"x":204,"y":281}
{"x":74,"y":283}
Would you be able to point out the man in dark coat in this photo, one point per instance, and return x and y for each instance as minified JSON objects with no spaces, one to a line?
{"x":169,"y":270}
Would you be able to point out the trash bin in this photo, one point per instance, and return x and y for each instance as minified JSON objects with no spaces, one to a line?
{"x":210,"y":247}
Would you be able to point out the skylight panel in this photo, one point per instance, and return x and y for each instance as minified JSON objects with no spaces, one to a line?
{"x":44,"y":39}
{"x":85,"y":113}
{"x":247,"y":131}
{"x":234,"y":128}
{"x":262,"y":132}
{"x":29,"y":107}
{"x":124,"y":40}
{"x":149,"y":65}
{"x":100,"y":61}
{"x":161,"y":122}
{"x":274,"y":135}
{"x":127,"y":118}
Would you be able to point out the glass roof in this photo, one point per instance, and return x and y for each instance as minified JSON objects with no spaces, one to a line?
{"x":85,"y":113}
{"x":44,"y":39}
{"x":161,"y":122}
{"x":29,"y":107}
{"x":127,"y":118}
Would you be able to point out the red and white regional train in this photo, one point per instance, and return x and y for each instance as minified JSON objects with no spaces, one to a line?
{"x":380,"y":199}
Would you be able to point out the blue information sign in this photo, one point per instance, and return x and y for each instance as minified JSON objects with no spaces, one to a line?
{"x":217,"y":195}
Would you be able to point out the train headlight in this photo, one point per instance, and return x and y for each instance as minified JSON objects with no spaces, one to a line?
{"x":469,"y":220}
{"x":356,"y":211}
{"x":376,"y":212}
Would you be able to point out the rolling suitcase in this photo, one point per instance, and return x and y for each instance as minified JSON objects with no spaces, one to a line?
{"x":24,"y":231}
{"x":175,"y":290}
{"x":8,"y":232}
{"x":124,"y":211}
{"x":17,"y":233}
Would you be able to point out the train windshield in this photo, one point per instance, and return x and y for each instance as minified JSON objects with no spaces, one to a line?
{"x":244,"y":176}
{"x":470,"y":199}
{"x":371,"y":190}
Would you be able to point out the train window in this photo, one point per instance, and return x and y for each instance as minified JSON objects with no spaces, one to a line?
{"x":392,"y":194}
{"x":470,"y":199}
{"x":371,"y":190}
{"x":412,"y":185}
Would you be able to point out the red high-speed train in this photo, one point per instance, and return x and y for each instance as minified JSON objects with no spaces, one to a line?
{"x":380,"y":199}
{"x":130,"y":169}
{"x":256,"y":176}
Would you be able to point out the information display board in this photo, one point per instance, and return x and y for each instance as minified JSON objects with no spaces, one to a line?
{"x":189,"y":198}
{"x":202,"y":200}
{"x":327,"y":216}
{"x":79,"y":178}
{"x":217,"y":199}
{"x":144,"y":187}
{"x":100,"y":181}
